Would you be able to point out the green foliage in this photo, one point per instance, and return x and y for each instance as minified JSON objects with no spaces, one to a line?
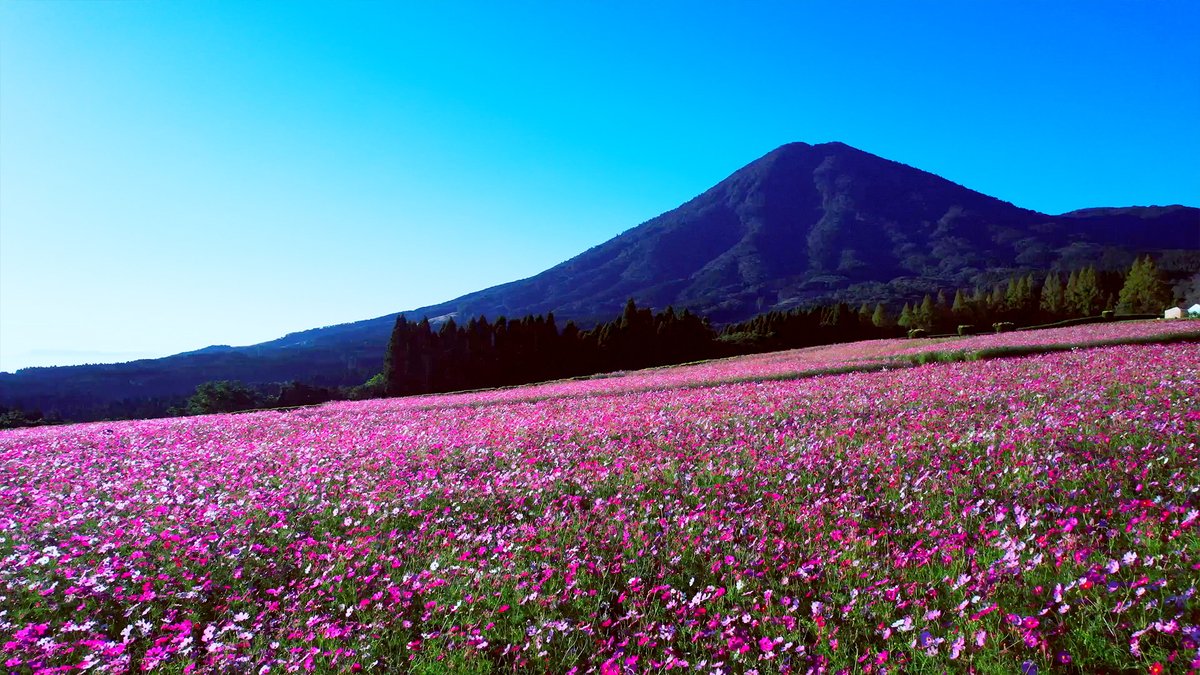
{"x":15,"y":419}
{"x":960,"y":305}
{"x":746,"y":340}
{"x":880,"y":317}
{"x":1054,"y":299}
{"x":375,"y":387}
{"x":924,"y":314}
{"x":1144,"y":290}
{"x":298,"y":394}
{"x":1082,"y":294}
{"x":864,"y":313}
{"x":224,"y":396}
{"x":1019,"y":299}
{"x":484,"y":354}
{"x":925,"y":358}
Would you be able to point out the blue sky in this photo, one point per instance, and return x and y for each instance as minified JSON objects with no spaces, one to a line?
{"x":174,"y":175}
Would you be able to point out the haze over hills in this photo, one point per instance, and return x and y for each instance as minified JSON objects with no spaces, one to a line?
{"x":802,"y":225}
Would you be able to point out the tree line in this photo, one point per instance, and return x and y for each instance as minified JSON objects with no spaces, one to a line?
{"x":1029,"y":300}
{"x":482,"y":353}
{"x":1023,"y":300}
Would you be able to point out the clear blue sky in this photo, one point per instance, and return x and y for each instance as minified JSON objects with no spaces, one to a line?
{"x":179,"y":174}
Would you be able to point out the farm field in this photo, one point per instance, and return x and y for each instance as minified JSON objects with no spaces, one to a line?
{"x":1033,"y":514}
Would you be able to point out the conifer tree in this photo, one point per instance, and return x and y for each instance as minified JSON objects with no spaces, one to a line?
{"x":1019,"y":299}
{"x":1053,"y":296}
{"x":881,"y":319}
{"x":395,"y":360}
{"x":1029,"y":295}
{"x":864,"y":314}
{"x":1012,"y":296}
{"x":1083,"y":294}
{"x":1144,"y":291}
{"x":923,"y":315}
{"x":996,"y":301}
{"x":960,"y":303}
{"x":943,"y":315}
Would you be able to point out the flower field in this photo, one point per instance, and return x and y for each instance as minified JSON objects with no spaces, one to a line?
{"x":1034,"y":514}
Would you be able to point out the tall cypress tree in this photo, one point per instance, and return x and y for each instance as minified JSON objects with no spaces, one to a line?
{"x":395,"y":360}
{"x":421,"y":358}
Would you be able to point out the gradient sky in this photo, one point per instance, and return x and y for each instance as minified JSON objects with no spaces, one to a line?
{"x":180,"y":174}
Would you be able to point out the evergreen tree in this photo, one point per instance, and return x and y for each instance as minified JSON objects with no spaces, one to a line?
{"x":420,"y":358}
{"x":943,"y":315}
{"x":864,"y":314}
{"x":1053,"y":298}
{"x":881,"y":318}
{"x":979,"y":301}
{"x":1144,"y":291}
{"x":923,"y":315}
{"x":1019,"y":299}
{"x":960,"y":302}
{"x":395,"y":360}
{"x":1012,"y":296}
{"x":996,"y":301}
{"x":1030,"y":294}
{"x":1082,"y":294}
{"x":963,"y":310}
{"x":906,"y":320}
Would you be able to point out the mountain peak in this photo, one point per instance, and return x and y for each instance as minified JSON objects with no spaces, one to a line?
{"x":826,"y":148}
{"x":808,"y":224}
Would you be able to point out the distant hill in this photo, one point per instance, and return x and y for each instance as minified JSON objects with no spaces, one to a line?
{"x":804,"y":224}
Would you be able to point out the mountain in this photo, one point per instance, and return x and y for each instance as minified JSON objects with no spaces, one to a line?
{"x":808,"y":224}
{"x":802,"y":225}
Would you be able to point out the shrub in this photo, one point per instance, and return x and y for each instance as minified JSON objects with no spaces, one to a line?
{"x":917,"y":333}
{"x":966,"y":329}
{"x":1003,"y":326}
